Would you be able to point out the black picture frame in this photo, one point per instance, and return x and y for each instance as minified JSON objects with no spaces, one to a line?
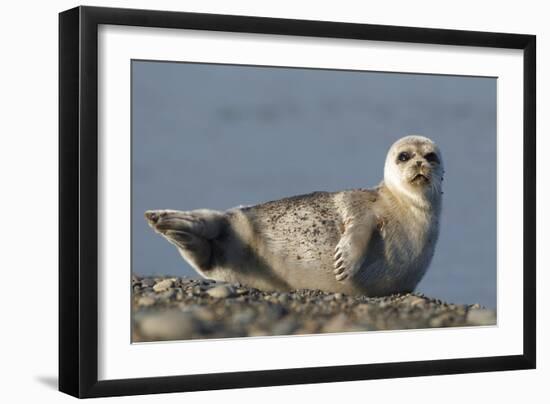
{"x":78,"y":201}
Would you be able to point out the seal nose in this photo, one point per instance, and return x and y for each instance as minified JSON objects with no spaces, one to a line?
{"x":152,"y":216}
{"x":418,"y":163}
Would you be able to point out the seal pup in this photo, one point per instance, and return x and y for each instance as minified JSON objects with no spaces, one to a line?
{"x":374,"y":242}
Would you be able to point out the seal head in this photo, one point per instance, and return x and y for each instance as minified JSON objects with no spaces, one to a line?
{"x":414,"y":171}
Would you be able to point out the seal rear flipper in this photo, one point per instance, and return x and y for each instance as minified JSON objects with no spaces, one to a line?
{"x":204,"y":223}
{"x":195,"y":250}
{"x":190,"y":231}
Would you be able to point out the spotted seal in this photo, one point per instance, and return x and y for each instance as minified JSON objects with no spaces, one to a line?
{"x":374,"y":242}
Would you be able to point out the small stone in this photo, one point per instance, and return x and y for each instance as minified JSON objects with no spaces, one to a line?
{"x":336,"y":324}
{"x":414,"y":301}
{"x":243,"y":317}
{"x":362,"y":308}
{"x":221,"y":292}
{"x":147,"y":282}
{"x":308,"y":327}
{"x":272,"y":313}
{"x":179,"y":293}
{"x":285,"y":327}
{"x":437,"y":322}
{"x":163,"y":285}
{"x":202,"y":313}
{"x":338,"y":296}
{"x":169,"y":325}
{"x":258,"y":332}
{"x":146,"y":301}
{"x":283,"y":299}
{"x":481,"y":317}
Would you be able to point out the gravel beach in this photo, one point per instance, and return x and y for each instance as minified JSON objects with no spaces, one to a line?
{"x":173,"y":308}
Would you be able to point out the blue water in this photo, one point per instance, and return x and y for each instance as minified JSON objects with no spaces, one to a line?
{"x":214,"y":136}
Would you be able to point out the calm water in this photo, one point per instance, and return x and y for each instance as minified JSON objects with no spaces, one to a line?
{"x":210,"y":136}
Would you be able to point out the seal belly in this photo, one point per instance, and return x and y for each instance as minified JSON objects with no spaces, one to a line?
{"x":296,"y":236}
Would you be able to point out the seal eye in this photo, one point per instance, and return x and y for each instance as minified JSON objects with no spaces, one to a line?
{"x":403,"y":156}
{"x":432,"y":158}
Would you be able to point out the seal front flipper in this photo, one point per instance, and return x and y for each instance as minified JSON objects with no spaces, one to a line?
{"x":350,"y":252}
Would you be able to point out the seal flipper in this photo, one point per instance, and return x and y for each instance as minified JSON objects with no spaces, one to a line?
{"x":194,"y":249}
{"x":351,"y":251}
{"x":191,"y":232}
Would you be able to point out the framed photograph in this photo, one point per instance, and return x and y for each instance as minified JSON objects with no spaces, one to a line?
{"x":249,"y":201}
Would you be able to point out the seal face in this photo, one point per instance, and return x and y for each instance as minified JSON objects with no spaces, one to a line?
{"x":363,"y":241}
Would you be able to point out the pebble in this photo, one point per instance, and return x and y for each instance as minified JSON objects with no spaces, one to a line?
{"x":308,"y":327}
{"x":221,"y":292}
{"x":414,"y":301}
{"x":336,"y":324}
{"x":179,"y":293}
{"x":167,"y":325}
{"x":168,"y":294}
{"x":163,"y":285}
{"x":273,"y":312}
{"x":437,"y":322}
{"x":283,"y":299}
{"x":285,"y":327}
{"x":362,"y":308}
{"x":146,"y":301}
{"x":481,"y":317}
{"x":179,"y":308}
{"x":243,"y":317}
{"x":202,"y":313}
{"x":147,"y":282}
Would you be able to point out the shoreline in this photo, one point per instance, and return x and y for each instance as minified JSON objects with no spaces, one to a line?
{"x":180,"y":308}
